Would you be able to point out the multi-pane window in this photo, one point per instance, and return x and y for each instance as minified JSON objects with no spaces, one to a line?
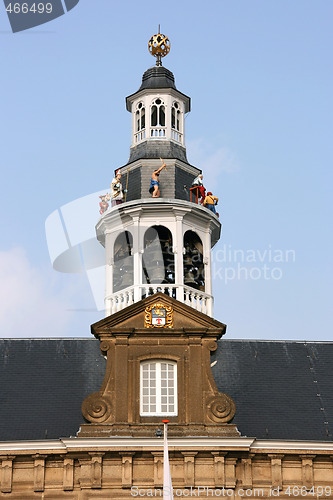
{"x":158,"y":388}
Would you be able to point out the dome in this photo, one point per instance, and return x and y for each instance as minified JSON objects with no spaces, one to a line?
{"x":158,"y":77}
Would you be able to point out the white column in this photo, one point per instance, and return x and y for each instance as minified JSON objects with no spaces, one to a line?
{"x":168,"y":101}
{"x":108,"y":270}
{"x":182,"y":127}
{"x":207,"y":258}
{"x":179,"y":267}
{"x":137,"y":257}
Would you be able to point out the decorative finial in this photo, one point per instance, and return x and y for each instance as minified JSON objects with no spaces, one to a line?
{"x":159,"y":46}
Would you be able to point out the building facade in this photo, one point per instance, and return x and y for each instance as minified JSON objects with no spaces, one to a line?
{"x":246,"y":419}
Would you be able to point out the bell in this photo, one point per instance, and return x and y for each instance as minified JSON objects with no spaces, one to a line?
{"x":156,"y":274}
{"x":189,"y":279}
{"x":127,"y":279}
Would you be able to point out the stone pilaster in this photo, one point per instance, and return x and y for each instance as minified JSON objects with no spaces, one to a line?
{"x":276,"y":470}
{"x":158,"y":469}
{"x":230,"y":472}
{"x":96,"y":469}
{"x":219,"y":472}
{"x":127,"y":469}
{"x":307,"y":470}
{"x":247,"y":473}
{"x":189,"y":467}
{"x":39,"y":472}
{"x":6,"y":473}
{"x":68,"y":475}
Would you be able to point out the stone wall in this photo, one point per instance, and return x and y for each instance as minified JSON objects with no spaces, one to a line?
{"x":104,"y":469}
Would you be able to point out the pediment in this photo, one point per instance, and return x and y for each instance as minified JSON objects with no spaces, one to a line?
{"x":132,"y":318}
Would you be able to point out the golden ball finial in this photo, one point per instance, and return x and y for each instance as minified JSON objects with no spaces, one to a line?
{"x":159,"y":46}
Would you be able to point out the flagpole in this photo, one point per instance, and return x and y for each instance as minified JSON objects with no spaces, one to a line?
{"x":167,"y":483}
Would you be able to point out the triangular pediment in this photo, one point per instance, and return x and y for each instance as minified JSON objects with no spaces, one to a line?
{"x":184,"y":318}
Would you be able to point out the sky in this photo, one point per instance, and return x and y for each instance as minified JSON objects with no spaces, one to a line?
{"x":259,"y":75}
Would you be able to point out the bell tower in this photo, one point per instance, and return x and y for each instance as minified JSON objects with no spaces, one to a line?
{"x":159,"y":330}
{"x":158,"y":244}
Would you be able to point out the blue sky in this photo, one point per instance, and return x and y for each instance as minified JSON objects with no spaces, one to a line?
{"x":260,"y":77}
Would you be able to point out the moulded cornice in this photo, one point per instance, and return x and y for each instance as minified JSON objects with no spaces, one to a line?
{"x":74,"y":445}
{"x":156,"y":92}
{"x":121,"y":215}
{"x":202,"y":324}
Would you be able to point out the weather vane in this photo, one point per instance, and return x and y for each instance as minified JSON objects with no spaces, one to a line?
{"x":159,"y":46}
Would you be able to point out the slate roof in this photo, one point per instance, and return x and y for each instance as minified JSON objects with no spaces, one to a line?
{"x":158,"y":77}
{"x":283,"y":390}
{"x":157,"y":149}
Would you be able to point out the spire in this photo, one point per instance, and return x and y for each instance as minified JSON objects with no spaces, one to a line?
{"x":159,"y":46}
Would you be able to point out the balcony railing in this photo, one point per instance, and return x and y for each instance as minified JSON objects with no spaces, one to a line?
{"x":140,"y":136}
{"x":200,"y":301}
{"x":157,"y":132}
{"x":176,"y":136}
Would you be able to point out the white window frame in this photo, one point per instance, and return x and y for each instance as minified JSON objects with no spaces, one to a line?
{"x":158,"y":363}
{"x":177,"y":110}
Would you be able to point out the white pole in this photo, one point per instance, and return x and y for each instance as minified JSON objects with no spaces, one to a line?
{"x":167,"y":483}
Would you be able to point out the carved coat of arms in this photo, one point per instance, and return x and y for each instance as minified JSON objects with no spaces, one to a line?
{"x":158,"y":316}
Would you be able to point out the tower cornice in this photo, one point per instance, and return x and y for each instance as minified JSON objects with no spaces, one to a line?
{"x":121,"y":215}
{"x":158,"y":91}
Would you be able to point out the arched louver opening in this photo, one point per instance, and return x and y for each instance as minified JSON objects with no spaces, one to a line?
{"x":194,"y":273}
{"x":158,"y":257}
{"x":140,"y":122}
{"x":123,"y":262}
{"x":176,"y":122}
{"x":157,"y":118}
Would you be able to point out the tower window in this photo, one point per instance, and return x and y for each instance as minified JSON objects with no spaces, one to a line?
{"x":176,"y":117}
{"x":194,"y":271}
{"x":158,"y":113}
{"x":140,"y":117}
{"x":123,"y":262}
{"x":158,"y":257}
{"x":158,"y":388}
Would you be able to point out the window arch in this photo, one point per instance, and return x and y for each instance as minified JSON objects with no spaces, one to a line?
{"x":176,"y":121}
{"x":175,"y":116}
{"x":157,"y":118}
{"x":140,"y":117}
{"x":158,"y":257}
{"x":123,"y":261}
{"x":194,"y":272}
{"x":158,"y":388}
{"x":140,"y":122}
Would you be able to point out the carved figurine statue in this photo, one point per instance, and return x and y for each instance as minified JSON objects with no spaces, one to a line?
{"x":104,"y":203}
{"x":117,"y":193}
{"x":154,"y":188}
{"x":198,"y":183}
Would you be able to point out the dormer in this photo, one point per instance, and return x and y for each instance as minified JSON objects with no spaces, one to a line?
{"x":158,"y":355}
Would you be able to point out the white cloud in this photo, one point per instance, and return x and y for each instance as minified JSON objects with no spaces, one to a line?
{"x":32,"y":304}
{"x":211,"y":159}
